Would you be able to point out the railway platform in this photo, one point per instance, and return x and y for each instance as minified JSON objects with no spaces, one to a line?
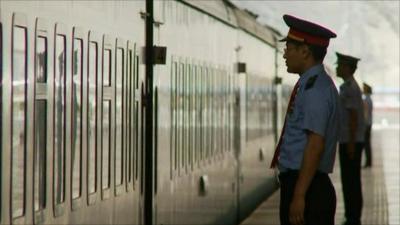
{"x":380,"y":183}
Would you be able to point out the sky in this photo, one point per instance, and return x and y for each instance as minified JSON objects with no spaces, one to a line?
{"x":365,"y":29}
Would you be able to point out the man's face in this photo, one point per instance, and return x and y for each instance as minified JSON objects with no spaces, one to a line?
{"x":341,"y":70}
{"x":293,"y":58}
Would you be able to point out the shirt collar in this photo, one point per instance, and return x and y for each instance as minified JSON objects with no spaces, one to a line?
{"x":315,"y":70}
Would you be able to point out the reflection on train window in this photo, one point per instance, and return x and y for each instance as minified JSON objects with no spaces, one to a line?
{"x":41,"y":60}
{"x":106,"y":145}
{"x":18,"y":120}
{"x":40,"y":126}
{"x":107,"y":68}
{"x":40,"y":156}
{"x":92,"y":116}
{"x":119,"y":125}
{"x":59,"y":125}
{"x":77,"y":119}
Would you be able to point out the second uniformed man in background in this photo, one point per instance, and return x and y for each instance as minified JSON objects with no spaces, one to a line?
{"x":351,"y":138}
{"x":368,"y":106}
{"x":307,"y":146}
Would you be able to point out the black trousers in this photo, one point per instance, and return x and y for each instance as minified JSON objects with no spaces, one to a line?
{"x":367,"y":146}
{"x":350,"y":170}
{"x":320,"y":202}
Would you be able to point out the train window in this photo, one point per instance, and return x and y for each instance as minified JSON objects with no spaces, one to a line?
{"x":173,"y":119}
{"x":195,"y":114}
{"x":217,"y":111}
{"x":181,"y":150}
{"x":40,"y":125}
{"x":230,"y":111}
{"x":178,"y":117}
{"x":129,"y":111}
{"x":204,"y":113}
{"x":19,"y":67}
{"x":92,"y":116}
{"x":106,"y":121}
{"x":190,"y":115}
{"x":137,"y":70}
{"x":199,"y":114}
{"x":200,"y":108}
{"x":208,"y":112}
{"x":119,"y":116}
{"x":107,"y":68}
{"x":76,"y":153}
{"x":41,"y":59}
{"x":106,"y":143}
{"x":184,"y":117}
{"x":59,"y":121}
{"x":213,"y":113}
{"x":223,"y":115}
{"x":137,"y":140}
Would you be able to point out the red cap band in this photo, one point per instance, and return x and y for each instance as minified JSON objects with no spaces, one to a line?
{"x":300,"y":36}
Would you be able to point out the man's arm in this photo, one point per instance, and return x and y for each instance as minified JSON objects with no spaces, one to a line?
{"x":311,"y":160}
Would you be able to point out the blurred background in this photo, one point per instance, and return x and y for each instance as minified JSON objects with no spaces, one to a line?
{"x":365,"y":29}
{"x":368,"y":30}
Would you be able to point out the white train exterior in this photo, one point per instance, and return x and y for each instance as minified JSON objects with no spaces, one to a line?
{"x":73,"y":113}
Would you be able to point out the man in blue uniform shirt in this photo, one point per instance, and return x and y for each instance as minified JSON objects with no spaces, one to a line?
{"x":307,"y":145}
{"x":368,"y":106}
{"x":351,"y":138}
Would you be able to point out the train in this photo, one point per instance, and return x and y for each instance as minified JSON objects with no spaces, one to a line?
{"x":137,"y":112}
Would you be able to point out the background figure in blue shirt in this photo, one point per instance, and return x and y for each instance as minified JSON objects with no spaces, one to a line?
{"x":308,"y":141}
{"x":368,"y":106}
{"x":351,"y":138}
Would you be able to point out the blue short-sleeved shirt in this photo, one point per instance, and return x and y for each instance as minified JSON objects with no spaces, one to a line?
{"x":315,"y":109}
{"x":351,"y":99}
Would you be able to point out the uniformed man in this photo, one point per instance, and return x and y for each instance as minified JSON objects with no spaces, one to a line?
{"x":307,"y":145}
{"x":351,"y":137}
{"x":368,"y":106}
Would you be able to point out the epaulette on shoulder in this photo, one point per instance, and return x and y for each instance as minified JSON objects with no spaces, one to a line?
{"x":311,"y":81}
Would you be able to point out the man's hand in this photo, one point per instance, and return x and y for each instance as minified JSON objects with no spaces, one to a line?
{"x":296,"y":211}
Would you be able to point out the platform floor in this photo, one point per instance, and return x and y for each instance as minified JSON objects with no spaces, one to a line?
{"x":381,"y":185}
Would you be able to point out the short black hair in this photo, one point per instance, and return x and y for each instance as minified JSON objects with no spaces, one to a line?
{"x":318,"y":52}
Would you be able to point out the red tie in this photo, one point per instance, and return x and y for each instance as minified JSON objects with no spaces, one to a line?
{"x":278,"y":147}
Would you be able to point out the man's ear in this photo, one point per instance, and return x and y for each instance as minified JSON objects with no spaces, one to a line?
{"x":305,"y":51}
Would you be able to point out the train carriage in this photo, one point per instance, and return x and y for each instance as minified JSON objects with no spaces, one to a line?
{"x":73,"y":112}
